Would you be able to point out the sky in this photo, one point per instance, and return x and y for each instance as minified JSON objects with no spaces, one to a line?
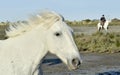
{"x":14,"y":10}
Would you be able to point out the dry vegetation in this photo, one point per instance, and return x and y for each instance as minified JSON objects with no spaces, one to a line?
{"x":99,"y":42}
{"x":89,"y":22}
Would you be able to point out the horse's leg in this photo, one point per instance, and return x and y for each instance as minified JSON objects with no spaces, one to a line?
{"x":107,"y":27}
{"x":102,"y":27}
{"x":99,"y":28}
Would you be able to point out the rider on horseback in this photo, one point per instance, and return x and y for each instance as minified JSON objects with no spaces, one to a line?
{"x":102,"y":20}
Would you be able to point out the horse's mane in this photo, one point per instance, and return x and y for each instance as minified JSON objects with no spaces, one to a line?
{"x":45,"y":18}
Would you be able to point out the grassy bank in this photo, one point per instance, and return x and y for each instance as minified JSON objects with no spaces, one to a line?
{"x":99,"y":42}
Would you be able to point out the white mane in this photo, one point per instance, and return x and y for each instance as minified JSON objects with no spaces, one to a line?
{"x":46,"y":18}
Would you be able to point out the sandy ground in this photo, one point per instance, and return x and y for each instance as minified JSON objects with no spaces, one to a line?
{"x":93,"y":63}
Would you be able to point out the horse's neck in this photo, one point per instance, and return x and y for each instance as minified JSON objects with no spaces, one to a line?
{"x":32,"y":41}
{"x":38,"y":35}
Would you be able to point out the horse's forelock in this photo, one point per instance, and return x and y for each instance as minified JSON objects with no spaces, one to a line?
{"x":46,"y":18}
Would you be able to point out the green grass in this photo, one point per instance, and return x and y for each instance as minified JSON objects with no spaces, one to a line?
{"x":99,"y":42}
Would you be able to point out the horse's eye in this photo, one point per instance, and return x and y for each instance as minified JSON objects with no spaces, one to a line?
{"x":58,"y":34}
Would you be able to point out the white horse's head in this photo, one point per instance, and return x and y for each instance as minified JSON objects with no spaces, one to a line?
{"x":51,"y":28}
{"x":61,"y":43}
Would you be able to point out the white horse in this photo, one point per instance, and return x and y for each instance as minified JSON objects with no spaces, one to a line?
{"x":105,"y":26}
{"x":29,"y":42}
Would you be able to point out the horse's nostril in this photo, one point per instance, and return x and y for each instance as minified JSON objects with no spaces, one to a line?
{"x":76,"y":62}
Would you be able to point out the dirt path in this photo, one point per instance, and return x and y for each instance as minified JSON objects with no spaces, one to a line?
{"x":90,"y":30}
{"x":93,"y":64}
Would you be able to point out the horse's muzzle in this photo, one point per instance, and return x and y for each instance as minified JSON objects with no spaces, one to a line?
{"x":75,"y":63}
